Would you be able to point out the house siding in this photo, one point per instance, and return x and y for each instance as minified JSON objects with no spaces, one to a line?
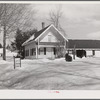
{"x":49,"y":53}
{"x":29,"y":47}
{"x":49,"y":38}
{"x":45,"y":44}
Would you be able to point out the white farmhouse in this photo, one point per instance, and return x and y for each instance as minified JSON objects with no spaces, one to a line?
{"x":49,"y":42}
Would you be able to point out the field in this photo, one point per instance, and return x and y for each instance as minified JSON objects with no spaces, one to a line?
{"x":45,"y":74}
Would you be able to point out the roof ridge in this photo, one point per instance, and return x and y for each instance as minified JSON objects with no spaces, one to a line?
{"x":36,"y":34}
{"x":43,"y":28}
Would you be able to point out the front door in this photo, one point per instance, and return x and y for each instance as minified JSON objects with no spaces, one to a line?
{"x":49,"y":52}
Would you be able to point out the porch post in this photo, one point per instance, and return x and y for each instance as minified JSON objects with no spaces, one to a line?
{"x":37,"y":49}
{"x":36,"y":52}
{"x":65,"y":48}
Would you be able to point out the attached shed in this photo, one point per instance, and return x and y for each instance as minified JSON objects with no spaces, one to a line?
{"x":92,"y":47}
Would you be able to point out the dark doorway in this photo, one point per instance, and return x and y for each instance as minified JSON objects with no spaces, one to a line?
{"x":93,"y":52}
{"x":80,"y":53}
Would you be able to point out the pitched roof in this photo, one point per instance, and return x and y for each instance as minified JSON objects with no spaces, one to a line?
{"x":84,"y":44}
{"x":39,"y":33}
{"x":35,"y":35}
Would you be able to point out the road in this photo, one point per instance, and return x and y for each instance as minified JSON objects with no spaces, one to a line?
{"x":81,"y":74}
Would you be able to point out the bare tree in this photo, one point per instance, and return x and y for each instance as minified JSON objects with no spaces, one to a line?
{"x":13,"y":16}
{"x":55,"y":18}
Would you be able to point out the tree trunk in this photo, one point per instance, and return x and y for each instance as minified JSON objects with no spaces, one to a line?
{"x":4,"y":44}
{"x":4,"y":34}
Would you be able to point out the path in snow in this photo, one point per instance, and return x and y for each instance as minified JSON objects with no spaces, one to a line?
{"x":44,"y":74}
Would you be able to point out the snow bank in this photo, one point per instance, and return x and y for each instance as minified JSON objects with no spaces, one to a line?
{"x":76,"y":58}
{"x":97,"y":54}
{"x":45,"y":60}
{"x":36,"y":60}
{"x":3,"y":62}
{"x":8,"y":52}
{"x":59,"y":60}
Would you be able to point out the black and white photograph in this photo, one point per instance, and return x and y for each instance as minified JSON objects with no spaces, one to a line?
{"x":50,"y":46}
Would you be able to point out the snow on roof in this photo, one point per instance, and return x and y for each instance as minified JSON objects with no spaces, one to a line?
{"x":34,"y":36}
{"x":31,"y":38}
{"x":37,"y":34}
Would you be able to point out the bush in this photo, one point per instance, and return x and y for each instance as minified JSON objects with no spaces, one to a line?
{"x":68,"y":57}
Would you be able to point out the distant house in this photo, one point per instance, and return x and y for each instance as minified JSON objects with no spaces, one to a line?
{"x":92,"y":47}
{"x":49,"y":42}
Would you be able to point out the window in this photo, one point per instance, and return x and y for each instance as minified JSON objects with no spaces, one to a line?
{"x":49,"y":38}
{"x":32,"y":52}
{"x":44,"y":51}
{"x":41,"y":51}
{"x":27,"y":53}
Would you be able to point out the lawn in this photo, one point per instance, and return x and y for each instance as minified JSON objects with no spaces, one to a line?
{"x":45,"y":74}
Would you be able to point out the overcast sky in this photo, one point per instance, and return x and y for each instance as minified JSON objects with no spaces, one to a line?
{"x":79,"y":20}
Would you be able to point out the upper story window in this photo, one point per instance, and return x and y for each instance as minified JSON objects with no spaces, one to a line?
{"x":49,"y":38}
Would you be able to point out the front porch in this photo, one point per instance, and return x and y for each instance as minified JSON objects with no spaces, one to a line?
{"x":49,"y":52}
{"x":45,"y":50}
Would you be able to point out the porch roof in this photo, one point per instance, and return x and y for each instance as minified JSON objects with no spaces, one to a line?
{"x":51,"y":43}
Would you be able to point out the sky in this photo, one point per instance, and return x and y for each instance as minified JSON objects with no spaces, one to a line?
{"x":79,"y":20}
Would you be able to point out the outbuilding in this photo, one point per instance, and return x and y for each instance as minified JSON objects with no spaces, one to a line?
{"x":91,"y":47}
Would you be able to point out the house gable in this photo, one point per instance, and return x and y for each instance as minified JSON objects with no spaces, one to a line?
{"x":35,"y":36}
{"x":56,"y":35}
{"x":50,"y":37}
{"x":42,"y":33}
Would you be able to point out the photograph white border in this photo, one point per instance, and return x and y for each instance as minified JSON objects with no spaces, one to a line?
{"x":50,"y":94}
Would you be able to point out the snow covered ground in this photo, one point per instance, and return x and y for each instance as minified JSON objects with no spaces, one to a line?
{"x":45,"y":74}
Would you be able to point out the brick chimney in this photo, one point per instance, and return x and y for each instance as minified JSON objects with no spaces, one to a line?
{"x":43,"y":25}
